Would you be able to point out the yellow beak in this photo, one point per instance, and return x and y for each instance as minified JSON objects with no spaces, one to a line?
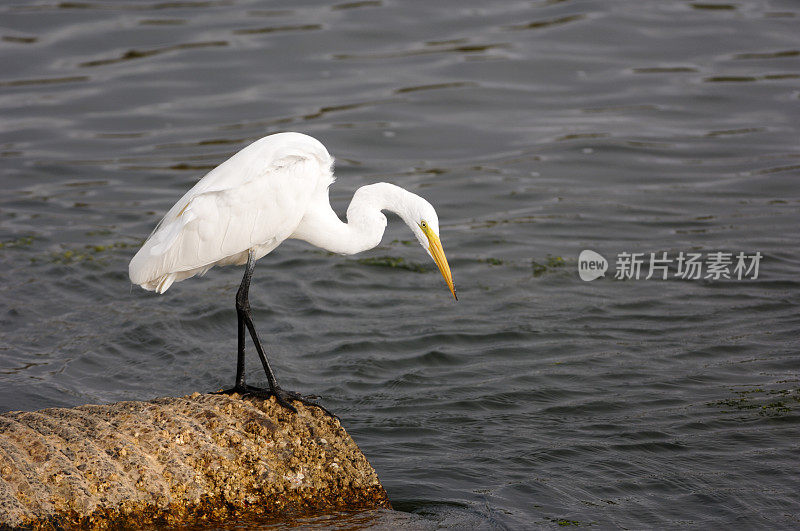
{"x":435,"y":248}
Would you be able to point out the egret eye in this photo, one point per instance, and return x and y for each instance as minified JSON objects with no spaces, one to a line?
{"x":423,"y":224}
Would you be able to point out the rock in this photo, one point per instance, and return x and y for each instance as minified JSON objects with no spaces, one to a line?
{"x":177,"y":461}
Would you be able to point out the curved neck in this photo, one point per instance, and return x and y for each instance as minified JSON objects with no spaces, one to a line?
{"x":365,"y":225}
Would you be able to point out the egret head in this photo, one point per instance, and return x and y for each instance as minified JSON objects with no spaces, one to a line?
{"x":425,"y":224}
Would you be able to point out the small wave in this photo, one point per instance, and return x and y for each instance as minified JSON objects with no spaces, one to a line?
{"x":140,"y":54}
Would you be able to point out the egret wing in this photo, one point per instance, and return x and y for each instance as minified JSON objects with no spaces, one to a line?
{"x":232,"y":209}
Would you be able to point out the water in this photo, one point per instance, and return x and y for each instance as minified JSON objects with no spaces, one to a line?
{"x":537,"y":129}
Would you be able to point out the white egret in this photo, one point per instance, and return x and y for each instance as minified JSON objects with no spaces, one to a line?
{"x":272,"y":190}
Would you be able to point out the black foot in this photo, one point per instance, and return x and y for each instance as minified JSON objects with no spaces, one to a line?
{"x":283,"y":397}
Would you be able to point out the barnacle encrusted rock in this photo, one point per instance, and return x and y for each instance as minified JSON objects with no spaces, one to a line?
{"x":174,"y":461}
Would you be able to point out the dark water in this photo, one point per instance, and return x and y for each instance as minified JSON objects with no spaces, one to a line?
{"x":538,"y":129}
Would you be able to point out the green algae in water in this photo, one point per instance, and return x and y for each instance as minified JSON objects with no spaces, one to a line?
{"x":19,"y":242}
{"x":394,"y":262}
{"x":90,"y":252}
{"x":774,"y":402}
{"x":70,"y":256}
{"x":551,"y":263}
{"x":115,"y":245}
{"x":564,"y":522}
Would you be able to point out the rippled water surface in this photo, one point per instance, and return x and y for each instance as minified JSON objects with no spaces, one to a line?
{"x":537,"y":129}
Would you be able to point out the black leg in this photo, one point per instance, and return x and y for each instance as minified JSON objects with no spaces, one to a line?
{"x":245,"y":320}
{"x":240,"y":348}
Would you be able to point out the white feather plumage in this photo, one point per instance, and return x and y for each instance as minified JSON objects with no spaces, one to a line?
{"x":275,"y":188}
{"x":255,"y":199}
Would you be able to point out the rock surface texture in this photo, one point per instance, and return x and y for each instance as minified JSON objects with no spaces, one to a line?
{"x":178,"y":461}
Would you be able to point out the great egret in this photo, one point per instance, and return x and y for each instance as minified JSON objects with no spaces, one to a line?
{"x":274,"y":189}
